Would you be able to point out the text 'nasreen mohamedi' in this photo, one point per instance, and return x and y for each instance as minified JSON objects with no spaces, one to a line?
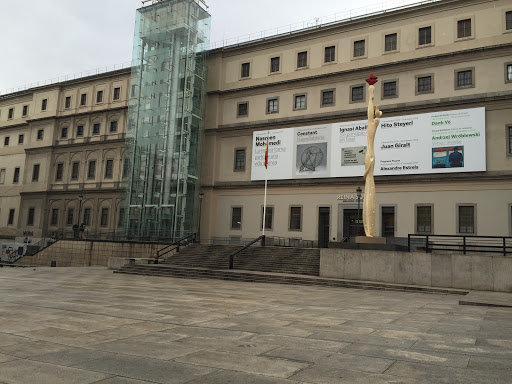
{"x":262,"y":141}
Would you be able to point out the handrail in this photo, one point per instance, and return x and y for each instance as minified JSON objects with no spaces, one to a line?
{"x":231,"y":257}
{"x":464,"y":243}
{"x":165,"y":250}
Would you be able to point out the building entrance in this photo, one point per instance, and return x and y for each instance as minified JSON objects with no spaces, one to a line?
{"x":324,"y":218}
{"x":352,"y":224}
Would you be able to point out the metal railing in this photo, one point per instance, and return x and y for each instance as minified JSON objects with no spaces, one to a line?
{"x":461,"y":243}
{"x":183,"y":242}
{"x":232,"y":256}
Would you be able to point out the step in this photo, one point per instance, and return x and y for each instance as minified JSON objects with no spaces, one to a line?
{"x":279,"y":278}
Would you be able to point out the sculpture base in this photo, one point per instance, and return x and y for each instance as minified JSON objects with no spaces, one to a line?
{"x":370,"y":240}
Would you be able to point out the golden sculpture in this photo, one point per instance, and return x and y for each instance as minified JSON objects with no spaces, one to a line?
{"x":370,"y":201}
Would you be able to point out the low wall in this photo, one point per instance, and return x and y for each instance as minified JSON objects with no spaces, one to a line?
{"x":477,"y":271}
{"x":86,"y":253}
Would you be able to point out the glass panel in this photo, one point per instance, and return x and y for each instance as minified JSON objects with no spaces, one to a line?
{"x":166,"y":115}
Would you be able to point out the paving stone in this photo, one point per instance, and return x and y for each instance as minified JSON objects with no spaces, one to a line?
{"x":26,"y":371}
{"x":445,"y":375}
{"x":162,"y":351}
{"x":122,"y":380}
{"x":35,"y":348}
{"x":468,"y":350}
{"x":250,"y":364}
{"x":363,"y":339}
{"x":4,"y":358}
{"x":490,"y":364}
{"x":71,"y":356}
{"x":330,"y":375}
{"x":230,"y":377}
{"x":234,"y":346}
{"x":425,"y":336}
{"x":211,"y":333}
{"x":429,"y":357}
{"x":299,"y":342}
{"x":159,"y":371}
{"x":7,"y":339}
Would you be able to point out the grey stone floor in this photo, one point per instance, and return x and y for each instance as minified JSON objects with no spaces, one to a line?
{"x":78,"y":326}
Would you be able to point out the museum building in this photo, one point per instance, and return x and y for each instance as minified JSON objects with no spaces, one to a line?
{"x":445,"y":89}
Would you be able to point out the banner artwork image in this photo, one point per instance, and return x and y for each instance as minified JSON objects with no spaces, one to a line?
{"x":440,"y":142}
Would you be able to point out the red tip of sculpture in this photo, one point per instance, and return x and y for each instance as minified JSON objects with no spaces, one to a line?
{"x":372,"y":79}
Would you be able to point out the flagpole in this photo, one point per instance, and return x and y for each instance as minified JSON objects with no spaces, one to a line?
{"x":266,"y":177}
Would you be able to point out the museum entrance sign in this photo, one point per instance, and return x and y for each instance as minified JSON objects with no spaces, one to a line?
{"x":439,"y":142}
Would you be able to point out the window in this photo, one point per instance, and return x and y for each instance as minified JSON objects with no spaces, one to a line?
{"x":424,"y":84}
{"x":104,"y":217}
{"x":30,"y":217}
{"x":246,"y":68}
{"x":272,"y":105}
{"x":21,"y":139}
{"x":64,"y":133}
{"x":55,"y":217}
{"x":134,"y":90}
{"x":425,"y":36}
{"x":35,"y":172}
{"x":302,"y":59}
{"x":243,"y":110}
{"x":424,"y":218}
{"x":10,"y":114}
{"x":274,"y":64}
{"x":109,"y":169}
{"x":67,"y":103}
{"x":75,"y":167}
{"x":329,"y":54}
{"x":44,"y":104}
{"x":10,"y":221}
{"x":509,"y":131}
{"x":239,"y":159}
{"x":359,"y":48}
{"x":236,"y":217}
{"x":463,"y":28}
{"x":508,"y":72}
{"x":83,"y":99}
{"x":25,"y":110}
{"x":328,"y":97}
{"x":96,"y":129}
{"x":2,"y":176}
{"x":40,"y":134}
{"x":295,"y":218}
{"x":390,"y":42}
{"x":357,"y":93}
{"x":126,"y":167}
{"x":268,"y":217}
{"x":508,"y":20}
{"x":466,"y":219}
{"x":87,"y":216}
{"x":6,"y":140}
{"x":117,"y":93}
{"x":389,"y":89}
{"x":99,"y":96}
{"x":120,"y":219}
{"x":464,"y":78}
{"x":69,"y":220}
{"x":300,"y":102}
{"x":91,"y":170}
{"x":59,"y":172}
{"x":113,"y":126}
{"x":16,"y":176}
{"x":80,"y":131}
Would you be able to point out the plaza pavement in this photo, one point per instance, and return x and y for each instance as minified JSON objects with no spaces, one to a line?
{"x":88,"y":325}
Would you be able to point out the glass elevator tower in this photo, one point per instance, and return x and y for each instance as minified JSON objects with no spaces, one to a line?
{"x":166,"y":119}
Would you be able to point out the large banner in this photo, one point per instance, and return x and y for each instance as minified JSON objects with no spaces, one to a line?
{"x":440,"y":142}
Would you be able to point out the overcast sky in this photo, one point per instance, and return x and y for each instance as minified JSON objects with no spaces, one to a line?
{"x":46,"y":39}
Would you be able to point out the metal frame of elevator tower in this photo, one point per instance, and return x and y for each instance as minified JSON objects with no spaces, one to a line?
{"x":166,"y":119}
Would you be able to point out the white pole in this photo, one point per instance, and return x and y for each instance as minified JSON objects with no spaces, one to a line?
{"x":265,"y":198}
{"x":265,"y":201}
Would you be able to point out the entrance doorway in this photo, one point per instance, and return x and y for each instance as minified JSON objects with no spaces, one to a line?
{"x":352,"y":224}
{"x":324,"y":218}
{"x":388,"y":221}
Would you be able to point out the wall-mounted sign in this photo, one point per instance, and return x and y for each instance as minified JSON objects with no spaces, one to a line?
{"x":439,"y":142}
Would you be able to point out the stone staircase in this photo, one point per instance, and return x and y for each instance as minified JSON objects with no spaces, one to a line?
{"x":259,"y":264}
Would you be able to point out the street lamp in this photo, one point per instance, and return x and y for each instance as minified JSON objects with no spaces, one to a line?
{"x":201,"y":195}
{"x":359,"y":190}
